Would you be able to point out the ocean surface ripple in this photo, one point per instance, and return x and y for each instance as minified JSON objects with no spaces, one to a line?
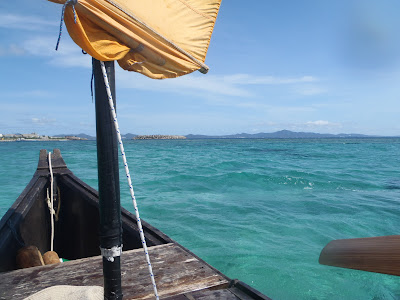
{"x":258,"y":210}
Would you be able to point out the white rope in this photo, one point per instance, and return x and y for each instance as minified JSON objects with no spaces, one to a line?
{"x":50,"y":203}
{"x":121,"y":146}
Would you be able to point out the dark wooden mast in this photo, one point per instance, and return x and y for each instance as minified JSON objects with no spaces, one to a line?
{"x":108,"y":174}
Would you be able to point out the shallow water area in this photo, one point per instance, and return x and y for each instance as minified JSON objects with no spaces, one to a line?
{"x":258,"y":210}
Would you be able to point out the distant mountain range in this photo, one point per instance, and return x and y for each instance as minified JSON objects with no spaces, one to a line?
{"x":282,"y":134}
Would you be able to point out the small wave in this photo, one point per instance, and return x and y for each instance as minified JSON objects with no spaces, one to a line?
{"x":266,"y":150}
{"x":297,"y":181}
{"x":393,"y":184}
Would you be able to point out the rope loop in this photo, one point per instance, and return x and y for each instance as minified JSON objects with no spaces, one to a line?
{"x":72,"y":2}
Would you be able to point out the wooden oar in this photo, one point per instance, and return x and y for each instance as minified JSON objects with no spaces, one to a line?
{"x":375,"y":254}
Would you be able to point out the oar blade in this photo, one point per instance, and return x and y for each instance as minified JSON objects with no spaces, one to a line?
{"x":375,"y":254}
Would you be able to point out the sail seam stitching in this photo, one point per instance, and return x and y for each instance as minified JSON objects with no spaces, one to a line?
{"x":195,"y":10}
{"x":204,"y":66}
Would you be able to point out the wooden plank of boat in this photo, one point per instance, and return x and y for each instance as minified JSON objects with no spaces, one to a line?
{"x":232,"y":293}
{"x":176,"y":271}
{"x":179,"y":272}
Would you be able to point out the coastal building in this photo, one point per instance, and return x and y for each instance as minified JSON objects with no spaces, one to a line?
{"x":30,"y":136}
{"x":35,"y":137}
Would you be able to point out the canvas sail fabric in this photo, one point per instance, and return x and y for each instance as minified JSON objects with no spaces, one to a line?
{"x":158,"y":38}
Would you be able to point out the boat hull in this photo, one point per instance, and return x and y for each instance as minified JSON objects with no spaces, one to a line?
{"x":27,"y":222}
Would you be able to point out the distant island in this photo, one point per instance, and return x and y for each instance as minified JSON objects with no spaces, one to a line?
{"x":282,"y":134}
{"x":159,"y":137}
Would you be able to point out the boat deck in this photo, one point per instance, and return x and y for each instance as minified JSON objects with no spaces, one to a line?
{"x":179,"y":275}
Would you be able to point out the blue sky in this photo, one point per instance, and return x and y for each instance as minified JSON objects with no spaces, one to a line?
{"x":311,"y":65}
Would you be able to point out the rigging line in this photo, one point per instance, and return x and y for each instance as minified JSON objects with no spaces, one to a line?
{"x":51,"y":203}
{"x":91,"y":85}
{"x":72,"y":2}
{"x":121,"y":146}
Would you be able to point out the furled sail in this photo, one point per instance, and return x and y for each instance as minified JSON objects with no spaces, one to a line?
{"x":158,"y":38}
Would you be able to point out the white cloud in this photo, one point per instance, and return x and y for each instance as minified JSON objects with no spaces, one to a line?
{"x":12,"y":49}
{"x":68,"y":54}
{"x":28,"y":94}
{"x":237,"y":85}
{"x":186,"y":84}
{"x":321,"y":124}
{"x":43,"y":121}
{"x":310,"y":90}
{"x":31,"y":23}
{"x":246,"y":79}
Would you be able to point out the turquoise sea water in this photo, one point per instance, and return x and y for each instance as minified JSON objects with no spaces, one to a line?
{"x":258,"y":210}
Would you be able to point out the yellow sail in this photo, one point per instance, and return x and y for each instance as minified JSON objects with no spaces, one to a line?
{"x":158,"y":38}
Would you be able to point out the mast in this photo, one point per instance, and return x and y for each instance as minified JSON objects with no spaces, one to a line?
{"x":108,"y":174}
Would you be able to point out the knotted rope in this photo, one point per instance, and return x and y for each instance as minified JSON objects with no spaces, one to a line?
{"x":72,"y":2}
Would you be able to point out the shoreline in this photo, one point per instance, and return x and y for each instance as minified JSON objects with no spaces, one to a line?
{"x":41,"y":140}
{"x":159,"y":137}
